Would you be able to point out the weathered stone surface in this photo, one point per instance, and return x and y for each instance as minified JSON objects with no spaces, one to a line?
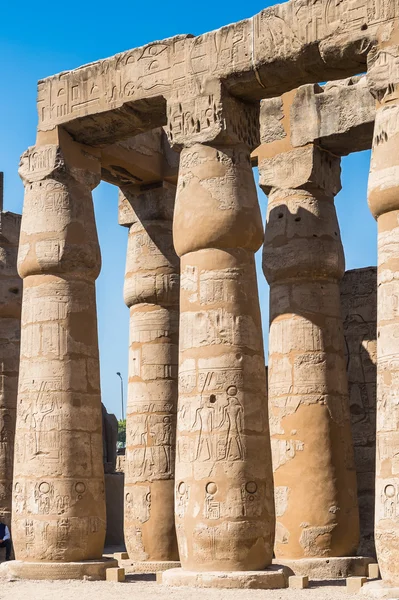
{"x":152,"y":293}
{"x":116,"y":574}
{"x":314,"y":475}
{"x":148,"y":566}
{"x":58,"y":499}
{"x":377,"y":589}
{"x":140,"y":160}
{"x":10,"y":331}
{"x":359,"y":313}
{"x":338,"y":117}
{"x":354,"y":584}
{"x":271,"y":578}
{"x":280,"y":48}
{"x":224,"y":492}
{"x":90,"y":569}
{"x":327,"y":568}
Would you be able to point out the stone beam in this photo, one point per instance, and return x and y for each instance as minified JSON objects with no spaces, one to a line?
{"x":143,"y":159}
{"x":338,"y":117}
{"x":280,"y":48}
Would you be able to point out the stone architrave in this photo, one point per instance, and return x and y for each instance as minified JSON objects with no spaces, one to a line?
{"x":152,"y":294}
{"x":224,"y":505}
{"x":10,"y":329}
{"x":280,"y":48}
{"x":359,"y":314}
{"x":58,"y":491}
{"x":303,"y":261}
{"x":383,"y":199}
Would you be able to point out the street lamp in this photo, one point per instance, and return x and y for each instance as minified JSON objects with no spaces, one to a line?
{"x":119,"y":375}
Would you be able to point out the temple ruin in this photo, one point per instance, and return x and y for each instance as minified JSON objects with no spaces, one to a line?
{"x":178,"y":125}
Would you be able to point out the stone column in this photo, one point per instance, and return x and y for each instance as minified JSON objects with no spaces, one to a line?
{"x":224,"y":491}
{"x":303,"y":261}
{"x":10,"y":330}
{"x":383,"y":198}
{"x":152,"y":295}
{"x":58,"y":498}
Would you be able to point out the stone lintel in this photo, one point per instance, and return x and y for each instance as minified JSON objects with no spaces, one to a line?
{"x":305,"y":168}
{"x":282,"y":47}
{"x":338,"y":117}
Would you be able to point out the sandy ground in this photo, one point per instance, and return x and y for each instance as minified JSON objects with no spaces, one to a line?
{"x":144,"y":587}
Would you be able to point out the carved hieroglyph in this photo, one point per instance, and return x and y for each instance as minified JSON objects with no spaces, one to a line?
{"x":314,"y":474}
{"x":359,"y":313}
{"x":224,"y":491}
{"x":152,"y":294}
{"x":10,"y":328}
{"x":58,"y":489}
{"x":282,"y":47}
{"x":383,"y":197}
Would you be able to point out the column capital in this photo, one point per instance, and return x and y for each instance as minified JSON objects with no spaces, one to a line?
{"x":383,"y":72}
{"x":307,"y":168}
{"x":212,"y":117}
{"x":60,"y":161}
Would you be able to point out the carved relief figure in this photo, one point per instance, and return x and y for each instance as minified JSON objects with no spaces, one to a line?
{"x":204,"y":421}
{"x":233,"y":415}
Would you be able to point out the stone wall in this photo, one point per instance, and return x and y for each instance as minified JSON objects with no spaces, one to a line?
{"x":359,"y":312}
{"x":10,"y":330}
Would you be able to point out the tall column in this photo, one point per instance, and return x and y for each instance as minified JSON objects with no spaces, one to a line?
{"x":152,"y":295}
{"x":58,"y":500}
{"x":224,"y":492}
{"x":10,"y":329}
{"x":303,"y":261}
{"x":383,"y":198}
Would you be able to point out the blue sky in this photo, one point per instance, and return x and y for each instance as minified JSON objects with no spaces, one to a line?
{"x":40,"y":39}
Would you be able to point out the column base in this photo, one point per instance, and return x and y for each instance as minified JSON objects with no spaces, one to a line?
{"x":327,"y":568}
{"x":150,"y":566}
{"x":272,"y":578}
{"x":378,"y":589}
{"x":88,"y":569}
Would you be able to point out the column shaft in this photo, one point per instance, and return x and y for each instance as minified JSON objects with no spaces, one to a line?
{"x":384,"y":204}
{"x":303,"y":261}
{"x":152,"y":294}
{"x":224,"y":494}
{"x":58,"y":502}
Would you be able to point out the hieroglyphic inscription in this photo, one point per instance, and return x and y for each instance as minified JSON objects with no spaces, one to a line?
{"x":215,"y":416}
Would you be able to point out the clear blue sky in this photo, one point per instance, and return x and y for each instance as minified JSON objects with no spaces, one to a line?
{"x":40,"y":39}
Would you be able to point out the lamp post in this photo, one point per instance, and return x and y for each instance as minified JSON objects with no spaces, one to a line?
{"x":119,"y":375}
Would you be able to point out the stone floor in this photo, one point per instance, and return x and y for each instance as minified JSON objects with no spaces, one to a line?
{"x":144,"y":587}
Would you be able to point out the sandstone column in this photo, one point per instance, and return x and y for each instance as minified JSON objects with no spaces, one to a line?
{"x":152,"y":294}
{"x":10,"y":328}
{"x":383,"y":198}
{"x":58,"y":499}
{"x":303,"y":261}
{"x":224,"y":492}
